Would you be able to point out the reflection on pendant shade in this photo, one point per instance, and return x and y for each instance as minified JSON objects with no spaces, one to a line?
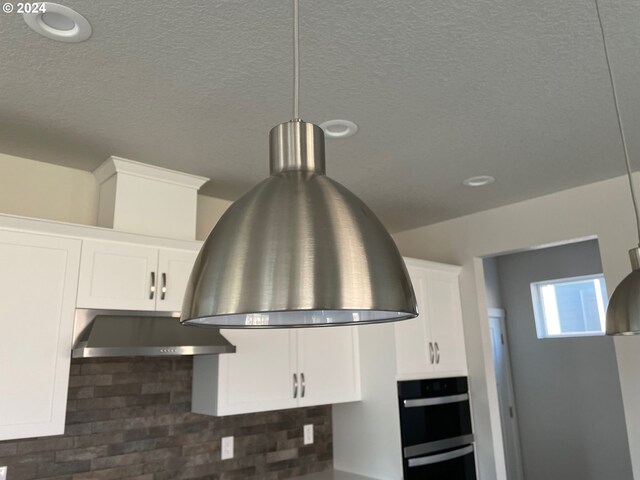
{"x":299,"y":249}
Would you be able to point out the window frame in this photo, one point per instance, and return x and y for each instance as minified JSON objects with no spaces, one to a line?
{"x":538,"y":310}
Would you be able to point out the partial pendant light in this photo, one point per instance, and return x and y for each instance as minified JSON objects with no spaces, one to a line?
{"x":299,"y":249}
{"x":623,"y":312}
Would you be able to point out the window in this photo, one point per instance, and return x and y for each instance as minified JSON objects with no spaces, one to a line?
{"x":570,"y":307}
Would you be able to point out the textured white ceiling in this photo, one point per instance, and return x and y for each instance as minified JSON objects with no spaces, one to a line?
{"x":441,"y":91}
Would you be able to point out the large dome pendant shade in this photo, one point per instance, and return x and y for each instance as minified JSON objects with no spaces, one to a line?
{"x":298,"y":250}
{"x":623,"y":312}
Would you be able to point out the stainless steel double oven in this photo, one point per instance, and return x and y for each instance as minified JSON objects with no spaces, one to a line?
{"x":435,"y":423}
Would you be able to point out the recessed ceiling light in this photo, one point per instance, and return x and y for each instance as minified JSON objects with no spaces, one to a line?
{"x":339,"y":128}
{"x":479,"y":181}
{"x":58,"y":22}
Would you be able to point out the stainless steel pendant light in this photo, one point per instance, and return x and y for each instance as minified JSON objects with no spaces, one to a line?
{"x":623,"y":312}
{"x":299,"y":249}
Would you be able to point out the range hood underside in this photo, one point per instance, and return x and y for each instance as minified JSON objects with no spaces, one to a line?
{"x":137,"y":335}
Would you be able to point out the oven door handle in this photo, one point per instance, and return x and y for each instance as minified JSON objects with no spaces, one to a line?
{"x":426,"y":402}
{"x":440,"y":457}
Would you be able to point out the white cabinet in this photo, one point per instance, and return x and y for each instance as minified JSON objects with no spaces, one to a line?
{"x":432,"y":344}
{"x":117,"y":276}
{"x":174,"y":269}
{"x":328,"y":365}
{"x":444,"y":312}
{"x":277,"y":369}
{"x":38,"y":281}
{"x":258,"y":377}
{"x":121,"y":276}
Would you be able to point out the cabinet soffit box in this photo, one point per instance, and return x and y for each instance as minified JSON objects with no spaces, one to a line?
{"x":140,"y":198}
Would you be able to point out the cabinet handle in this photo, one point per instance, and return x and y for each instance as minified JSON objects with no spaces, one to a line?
{"x":163,"y":290}
{"x":152,"y":288}
{"x":431,"y":353}
{"x":437,"y":353}
{"x":304,"y":386}
{"x":295,"y":385}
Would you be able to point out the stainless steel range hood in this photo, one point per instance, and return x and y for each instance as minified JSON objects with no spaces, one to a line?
{"x":132,"y":335}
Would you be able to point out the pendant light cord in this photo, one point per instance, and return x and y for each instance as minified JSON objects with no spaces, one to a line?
{"x":620,"y":126}
{"x":296,"y":60}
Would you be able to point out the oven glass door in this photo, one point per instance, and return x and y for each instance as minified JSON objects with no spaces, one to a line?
{"x":426,"y":420}
{"x":458,"y":464}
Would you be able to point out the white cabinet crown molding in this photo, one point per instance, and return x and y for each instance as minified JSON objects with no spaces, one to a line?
{"x":62,"y":229}
{"x":114,"y":165}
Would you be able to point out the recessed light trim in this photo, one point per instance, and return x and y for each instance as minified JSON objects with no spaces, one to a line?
{"x":479,"y":181}
{"x":60,"y":23}
{"x":339,"y":128}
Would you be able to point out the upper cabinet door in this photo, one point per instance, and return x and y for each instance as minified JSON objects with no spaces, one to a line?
{"x":277,"y":369}
{"x":445,"y":316}
{"x":118,"y":276}
{"x":328,"y":365}
{"x":174,"y":269}
{"x":38,"y":281}
{"x":260,"y":375}
{"x":415,"y":354}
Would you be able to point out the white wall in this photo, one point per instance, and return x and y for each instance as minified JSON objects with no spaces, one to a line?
{"x":601,"y":209}
{"x":41,"y":190}
{"x":376,"y":419}
{"x":210,"y":210}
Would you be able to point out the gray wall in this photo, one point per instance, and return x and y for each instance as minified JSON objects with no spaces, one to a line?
{"x":567,"y":390}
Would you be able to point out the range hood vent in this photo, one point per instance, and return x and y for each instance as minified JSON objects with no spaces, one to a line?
{"x":129,"y":335}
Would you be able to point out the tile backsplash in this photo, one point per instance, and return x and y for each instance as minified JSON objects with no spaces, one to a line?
{"x":129,"y":418}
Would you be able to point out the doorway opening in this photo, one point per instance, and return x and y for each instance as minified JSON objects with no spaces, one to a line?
{"x":556,"y":372}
